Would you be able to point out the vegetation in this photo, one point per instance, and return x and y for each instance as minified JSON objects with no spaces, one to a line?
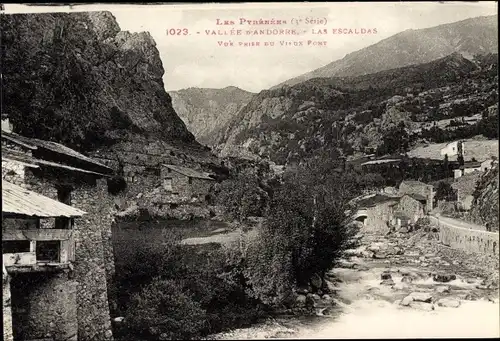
{"x":166,"y":290}
{"x":305,"y":233}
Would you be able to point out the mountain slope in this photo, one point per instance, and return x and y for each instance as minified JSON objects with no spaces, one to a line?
{"x":468,"y":37}
{"x":205,"y":111}
{"x":355,"y":113}
{"x":77,"y":79}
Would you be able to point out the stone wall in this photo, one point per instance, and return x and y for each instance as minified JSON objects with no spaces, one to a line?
{"x":410,"y":207}
{"x":417,"y":187}
{"x":13,"y":172}
{"x":44,"y":306}
{"x":466,"y":238}
{"x":6,"y":307}
{"x":94,"y":260}
{"x":377,"y":217}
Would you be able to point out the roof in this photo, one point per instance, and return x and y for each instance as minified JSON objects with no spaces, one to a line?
{"x":14,"y":155}
{"x":34,"y":144}
{"x":374,"y":162}
{"x":413,"y":183}
{"x":400,"y":215}
{"x":375,"y":200}
{"x":24,"y":163}
{"x":189,"y":172}
{"x":471,"y":165}
{"x":20,"y":201}
{"x":416,"y":196}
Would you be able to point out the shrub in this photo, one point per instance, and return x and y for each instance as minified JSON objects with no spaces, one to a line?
{"x":163,"y":310}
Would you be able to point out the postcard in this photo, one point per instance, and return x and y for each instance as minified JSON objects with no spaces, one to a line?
{"x":250,"y":170}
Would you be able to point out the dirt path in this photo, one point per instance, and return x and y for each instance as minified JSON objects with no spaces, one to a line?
{"x":449,"y":298}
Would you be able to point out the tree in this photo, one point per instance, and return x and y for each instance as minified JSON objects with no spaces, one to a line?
{"x":306,"y":231}
{"x":242,"y":196}
{"x":446,"y":167}
{"x":445,"y":192}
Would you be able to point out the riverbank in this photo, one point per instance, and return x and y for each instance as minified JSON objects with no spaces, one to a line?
{"x":401,"y":285}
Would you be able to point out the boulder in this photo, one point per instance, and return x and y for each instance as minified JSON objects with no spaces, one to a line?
{"x":422,"y":306}
{"x":302,"y":291}
{"x":406,"y":301}
{"x":388,"y":282}
{"x":379,"y":255}
{"x":421,"y":297}
{"x":301,"y":300}
{"x":400,"y":286}
{"x":385,"y":275}
{"x":448,"y":302}
{"x":316,"y":281}
{"x":443,"y":289}
{"x":326,"y":297}
{"x":444,"y":278}
{"x":322,"y":312}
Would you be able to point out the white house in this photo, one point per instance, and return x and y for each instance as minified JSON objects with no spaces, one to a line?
{"x":452,"y":149}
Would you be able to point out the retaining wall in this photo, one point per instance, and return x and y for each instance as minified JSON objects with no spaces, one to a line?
{"x":468,"y":239}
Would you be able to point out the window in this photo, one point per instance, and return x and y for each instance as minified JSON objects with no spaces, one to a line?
{"x":167,"y":184}
{"x":190,"y":181}
{"x":48,"y":251}
{"x":64,"y":195}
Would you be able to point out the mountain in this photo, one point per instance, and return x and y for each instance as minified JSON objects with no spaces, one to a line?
{"x":205,"y":111}
{"x":356,"y":114}
{"x":75,"y":78}
{"x":467,"y":37}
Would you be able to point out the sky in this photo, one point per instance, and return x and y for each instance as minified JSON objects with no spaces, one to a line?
{"x":200,"y":59}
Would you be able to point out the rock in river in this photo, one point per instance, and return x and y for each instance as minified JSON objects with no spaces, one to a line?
{"x":385,"y":275}
{"x":443,"y":289}
{"x":422,"y":306}
{"x":444,"y":278}
{"x":448,"y":302}
{"x":421,"y":297}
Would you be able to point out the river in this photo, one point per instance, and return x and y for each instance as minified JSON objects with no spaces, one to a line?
{"x":367,"y":308}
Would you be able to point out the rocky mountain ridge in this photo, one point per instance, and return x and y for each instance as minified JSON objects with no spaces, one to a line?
{"x":467,"y":37}
{"x":205,"y":110}
{"x":77,"y":79}
{"x":354,"y":113}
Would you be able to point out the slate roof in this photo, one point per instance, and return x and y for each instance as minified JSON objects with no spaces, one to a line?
{"x":189,"y":172}
{"x":13,"y":155}
{"x":20,"y":201}
{"x":375,"y":200}
{"x":417,"y":196}
{"x":34,"y":144}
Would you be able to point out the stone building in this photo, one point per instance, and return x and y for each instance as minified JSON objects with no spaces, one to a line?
{"x":413,"y":206}
{"x":420,"y":188}
{"x":67,"y":176}
{"x":42,"y":300}
{"x":186,"y":182}
{"x":375,"y":212}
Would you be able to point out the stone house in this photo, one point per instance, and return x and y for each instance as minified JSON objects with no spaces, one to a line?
{"x":66,"y":176}
{"x":186,"y":182}
{"x":420,"y":188}
{"x":467,"y":168}
{"x":412,"y":206}
{"x":375,"y":212}
{"x":399,"y":219}
{"x":37,"y":262}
